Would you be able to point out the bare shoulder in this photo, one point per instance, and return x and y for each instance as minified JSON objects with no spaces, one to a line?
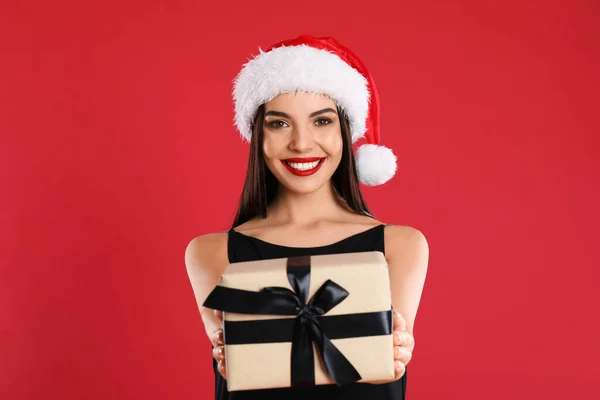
{"x":406,"y":247}
{"x":205,"y":261}
{"x":203,"y":250}
{"x":399,"y":239}
{"x":207,"y":240}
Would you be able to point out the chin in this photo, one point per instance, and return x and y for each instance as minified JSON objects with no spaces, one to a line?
{"x":303,"y":184}
{"x":306,"y":186}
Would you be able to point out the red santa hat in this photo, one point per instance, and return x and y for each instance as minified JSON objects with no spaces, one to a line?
{"x":320,"y":65}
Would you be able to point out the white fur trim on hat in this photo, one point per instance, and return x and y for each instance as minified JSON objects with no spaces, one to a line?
{"x":375,"y":164}
{"x":300,"y":68}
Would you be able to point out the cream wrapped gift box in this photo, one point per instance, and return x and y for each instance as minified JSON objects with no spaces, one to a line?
{"x":306,"y":321}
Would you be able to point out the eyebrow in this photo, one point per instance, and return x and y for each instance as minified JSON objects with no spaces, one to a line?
{"x":284,"y":115}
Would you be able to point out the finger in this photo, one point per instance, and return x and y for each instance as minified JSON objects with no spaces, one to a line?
{"x":397,"y":318}
{"x":222,"y":369}
{"x":218,"y":315}
{"x":217,"y":338}
{"x":219,"y":353}
{"x":403,"y":338}
{"x":402,"y":354}
{"x":407,"y":341}
{"x":399,"y":369}
{"x":410,"y":342}
{"x":399,"y":321}
{"x":399,"y":338}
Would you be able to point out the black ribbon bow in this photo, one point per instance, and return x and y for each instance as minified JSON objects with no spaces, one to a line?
{"x":308,"y":326}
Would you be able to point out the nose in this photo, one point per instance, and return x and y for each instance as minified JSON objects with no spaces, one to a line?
{"x":302,"y":139}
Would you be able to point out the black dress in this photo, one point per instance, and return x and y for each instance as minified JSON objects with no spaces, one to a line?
{"x":246,"y":248}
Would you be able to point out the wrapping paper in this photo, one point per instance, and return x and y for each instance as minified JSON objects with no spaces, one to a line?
{"x":306,"y":321}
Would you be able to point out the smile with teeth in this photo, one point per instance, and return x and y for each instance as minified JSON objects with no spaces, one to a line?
{"x":303,"y":166}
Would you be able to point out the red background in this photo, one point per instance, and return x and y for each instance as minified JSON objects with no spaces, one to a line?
{"x":117,"y":147}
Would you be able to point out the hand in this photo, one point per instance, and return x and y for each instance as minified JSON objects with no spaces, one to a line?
{"x":219,"y":345}
{"x":404,"y":344}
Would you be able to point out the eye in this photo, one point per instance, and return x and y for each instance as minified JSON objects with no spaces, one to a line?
{"x":276,"y":124}
{"x":323,"y":121}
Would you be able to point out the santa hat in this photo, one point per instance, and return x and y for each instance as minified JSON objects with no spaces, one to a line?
{"x":321,"y":65}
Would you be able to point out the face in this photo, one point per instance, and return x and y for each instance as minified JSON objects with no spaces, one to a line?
{"x":302,"y":140}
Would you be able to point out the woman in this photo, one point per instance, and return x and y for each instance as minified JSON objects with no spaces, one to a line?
{"x":302,"y":104}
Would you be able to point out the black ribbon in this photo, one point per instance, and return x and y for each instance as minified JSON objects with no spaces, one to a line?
{"x":310,"y":325}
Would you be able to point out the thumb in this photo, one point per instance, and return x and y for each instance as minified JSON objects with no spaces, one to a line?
{"x":219,"y":315}
{"x":399,"y":322}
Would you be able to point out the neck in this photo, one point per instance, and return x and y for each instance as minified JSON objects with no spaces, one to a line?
{"x":305,"y":209}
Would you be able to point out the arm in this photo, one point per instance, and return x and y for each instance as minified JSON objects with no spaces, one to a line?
{"x":205,"y":261}
{"x":407,"y":254}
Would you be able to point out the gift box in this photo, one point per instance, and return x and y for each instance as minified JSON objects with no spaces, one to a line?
{"x":305,"y":321}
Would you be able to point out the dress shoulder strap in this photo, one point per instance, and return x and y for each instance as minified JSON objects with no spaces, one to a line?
{"x":242,"y":248}
{"x":379,"y":242}
{"x":231,"y":245}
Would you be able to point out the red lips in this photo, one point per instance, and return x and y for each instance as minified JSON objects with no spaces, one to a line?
{"x":299,"y":160}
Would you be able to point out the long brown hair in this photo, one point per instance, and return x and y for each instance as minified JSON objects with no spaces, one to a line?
{"x":260,"y":187}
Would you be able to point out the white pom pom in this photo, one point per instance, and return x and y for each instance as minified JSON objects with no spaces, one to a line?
{"x":375,"y":164}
